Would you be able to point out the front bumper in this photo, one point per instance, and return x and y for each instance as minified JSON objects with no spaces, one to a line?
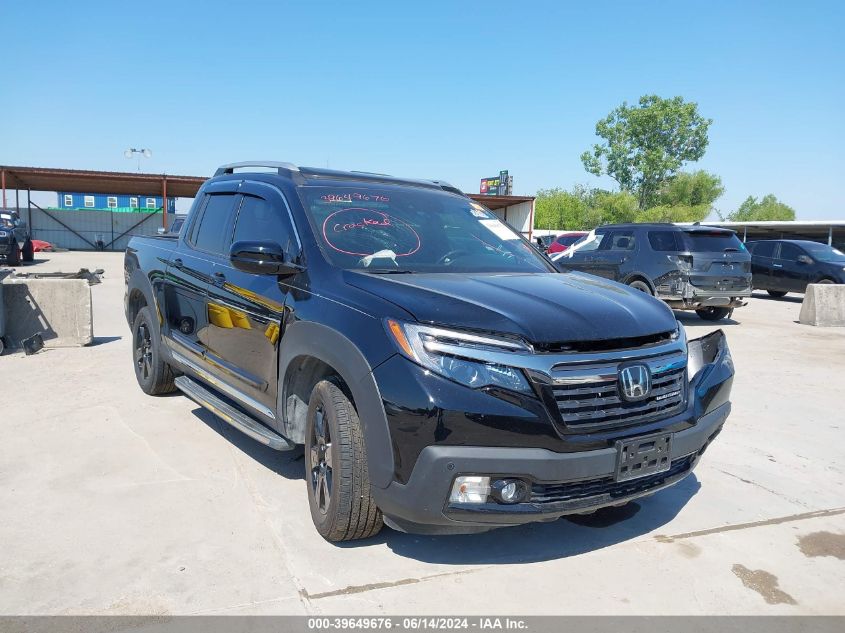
{"x":418,"y":506}
{"x":566,"y":473}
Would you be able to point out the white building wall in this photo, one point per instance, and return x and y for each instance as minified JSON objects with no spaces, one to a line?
{"x":518,"y":216}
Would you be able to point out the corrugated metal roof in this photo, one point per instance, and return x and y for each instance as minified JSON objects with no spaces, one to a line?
{"x":88,"y":181}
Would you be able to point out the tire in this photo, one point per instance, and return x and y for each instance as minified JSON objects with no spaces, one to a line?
{"x":713,"y":314}
{"x":639,"y":284}
{"x":154,"y":376}
{"x":336,"y":474}
{"x":28,"y":251}
{"x":776,"y":293}
{"x":825,"y":281}
{"x":14,"y":258}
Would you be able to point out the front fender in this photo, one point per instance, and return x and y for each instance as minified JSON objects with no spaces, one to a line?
{"x":305,"y":338}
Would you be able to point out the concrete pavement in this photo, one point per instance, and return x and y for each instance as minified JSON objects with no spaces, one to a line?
{"x":113,"y":502}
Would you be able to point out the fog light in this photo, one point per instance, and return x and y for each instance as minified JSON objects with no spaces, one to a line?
{"x":470,"y":490}
{"x":509,"y":490}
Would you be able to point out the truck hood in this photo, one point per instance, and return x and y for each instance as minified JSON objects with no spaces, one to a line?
{"x":541,"y":308}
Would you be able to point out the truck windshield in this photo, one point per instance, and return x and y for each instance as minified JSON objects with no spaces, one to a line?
{"x":413,"y":230}
{"x":712,"y":242}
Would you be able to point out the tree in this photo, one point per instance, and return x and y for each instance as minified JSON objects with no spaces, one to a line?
{"x":769,"y":208}
{"x":647,"y":144}
{"x":686,"y":197}
{"x":559,"y":209}
{"x":691,"y":189}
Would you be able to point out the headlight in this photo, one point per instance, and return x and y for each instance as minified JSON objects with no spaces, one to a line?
{"x":459,"y":356}
{"x":4,"y":234}
{"x":704,"y":351}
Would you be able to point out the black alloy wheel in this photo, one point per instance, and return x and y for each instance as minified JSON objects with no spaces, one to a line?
{"x":321,"y":462}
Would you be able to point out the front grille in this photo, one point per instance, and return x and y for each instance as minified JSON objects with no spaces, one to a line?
{"x":606,"y":486}
{"x":597,"y":404}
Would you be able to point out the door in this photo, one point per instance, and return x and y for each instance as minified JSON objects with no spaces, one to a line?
{"x":581,"y":259}
{"x":616,"y":248}
{"x":761,"y":265}
{"x":246,"y":310}
{"x":189,"y":273}
{"x":793,"y":275}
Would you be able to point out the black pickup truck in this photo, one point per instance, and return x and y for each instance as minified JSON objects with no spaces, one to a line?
{"x":441,"y":374}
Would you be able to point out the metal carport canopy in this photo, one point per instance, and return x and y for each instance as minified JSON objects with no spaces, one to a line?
{"x":85,"y":181}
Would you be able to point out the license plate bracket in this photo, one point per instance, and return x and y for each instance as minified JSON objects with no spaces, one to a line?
{"x":642,"y":456}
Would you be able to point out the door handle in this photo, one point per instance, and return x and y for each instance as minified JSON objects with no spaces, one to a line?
{"x":778,"y":265}
{"x":177,"y":263}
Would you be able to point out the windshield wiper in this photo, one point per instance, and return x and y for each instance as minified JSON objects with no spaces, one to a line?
{"x":389,"y":271}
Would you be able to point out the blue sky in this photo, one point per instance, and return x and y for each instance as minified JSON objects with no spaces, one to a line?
{"x":449,"y":90}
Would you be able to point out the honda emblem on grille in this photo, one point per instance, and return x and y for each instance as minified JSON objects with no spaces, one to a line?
{"x":635,"y":382}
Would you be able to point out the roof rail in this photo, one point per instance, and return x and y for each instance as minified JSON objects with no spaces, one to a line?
{"x":447,"y":187}
{"x":231,"y":167}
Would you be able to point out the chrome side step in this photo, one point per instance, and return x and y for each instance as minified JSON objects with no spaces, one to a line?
{"x":233,"y":416}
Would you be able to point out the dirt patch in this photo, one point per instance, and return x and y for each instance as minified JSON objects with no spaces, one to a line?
{"x":823,"y":544}
{"x":689,"y":550}
{"x":764,"y":583}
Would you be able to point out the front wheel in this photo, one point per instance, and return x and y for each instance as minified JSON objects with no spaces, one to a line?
{"x":14,"y":256}
{"x":713,"y":314}
{"x":776,"y":293}
{"x":342,"y":507}
{"x":825,"y":281}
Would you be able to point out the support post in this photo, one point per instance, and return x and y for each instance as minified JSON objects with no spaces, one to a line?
{"x":164,"y":202}
{"x":531,"y":223}
{"x":3,"y":182}
{"x":830,"y":235}
{"x":744,"y":234}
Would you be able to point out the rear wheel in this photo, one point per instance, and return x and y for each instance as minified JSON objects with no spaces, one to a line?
{"x":28,"y":251}
{"x":713,"y":314}
{"x":639,"y":284}
{"x":153,"y":374}
{"x":336,"y":468}
{"x":825,"y":281}
{"x":776,"y":293}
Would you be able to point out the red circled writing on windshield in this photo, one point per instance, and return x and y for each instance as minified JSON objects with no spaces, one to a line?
{"x":349,"y":230}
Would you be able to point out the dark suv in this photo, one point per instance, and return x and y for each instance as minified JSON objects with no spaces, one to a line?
{"x":781,"y":266}
{"x":15,"y":243}
{"x":441,"y":375}
{"x":697,"y":268}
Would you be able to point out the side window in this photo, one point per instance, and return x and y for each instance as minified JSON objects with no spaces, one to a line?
{"x":790,"y":252}
{"x":663,"y":241}
{"x":592,"y":244}
{"x":259,"y":220}
{"x":764,"y":249}
{"x":618,"y":241}
{"x":213,"y":229}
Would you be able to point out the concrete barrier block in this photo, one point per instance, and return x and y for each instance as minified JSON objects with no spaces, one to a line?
{"x":58,"y":309}
{"x":823,"y":305}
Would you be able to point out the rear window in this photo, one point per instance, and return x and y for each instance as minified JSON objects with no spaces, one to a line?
{"x":715,"y":242}
{"x":664,"y":241}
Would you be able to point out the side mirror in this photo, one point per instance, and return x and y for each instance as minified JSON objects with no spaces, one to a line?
{"x":805,"y":259}
{"x":261,"y":257}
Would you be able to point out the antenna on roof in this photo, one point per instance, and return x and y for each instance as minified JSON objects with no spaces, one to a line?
{"x":146,"y":153}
